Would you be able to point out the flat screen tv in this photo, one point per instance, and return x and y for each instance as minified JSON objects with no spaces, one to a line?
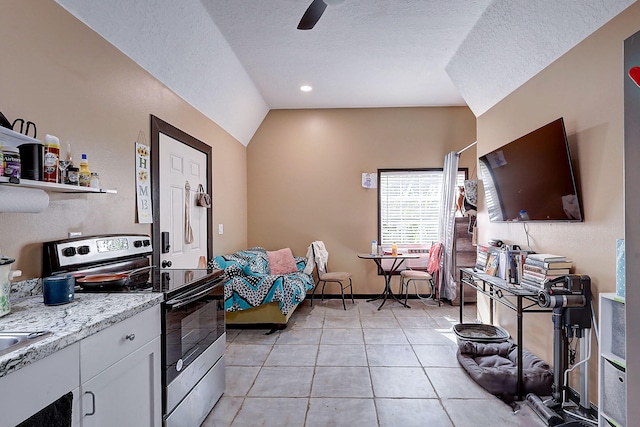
{"x":532,"y":179}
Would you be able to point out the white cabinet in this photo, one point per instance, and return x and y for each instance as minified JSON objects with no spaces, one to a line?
{"x":37,"y":385}
{"x":612,"y":367}
{"x":120,"y":373}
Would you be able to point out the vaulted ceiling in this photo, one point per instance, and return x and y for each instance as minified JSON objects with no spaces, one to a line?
{"x":234,"y":60}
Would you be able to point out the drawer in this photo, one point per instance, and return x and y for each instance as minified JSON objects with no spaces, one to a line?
{"x":614,"y":402}
{"x":101,"y":350}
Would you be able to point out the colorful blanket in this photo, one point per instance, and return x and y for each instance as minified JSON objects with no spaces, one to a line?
{"x":249,"y":282}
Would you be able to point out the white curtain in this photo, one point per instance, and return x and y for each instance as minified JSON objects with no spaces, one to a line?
{"x":446,"y":224}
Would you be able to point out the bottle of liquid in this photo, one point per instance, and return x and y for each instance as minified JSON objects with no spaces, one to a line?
{"x":374,"y":247}
{"x":524,"y":216}
{"x":394,"y":249}
{"x":51,"y":158}
{"x":85,"y":173}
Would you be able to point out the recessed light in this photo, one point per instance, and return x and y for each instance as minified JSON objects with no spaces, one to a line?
{"x":306,"y":88}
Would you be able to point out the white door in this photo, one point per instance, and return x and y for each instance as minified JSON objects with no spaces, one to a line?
{"x":179,"y":164}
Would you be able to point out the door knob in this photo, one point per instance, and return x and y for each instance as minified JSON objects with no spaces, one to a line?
{"x":166,"y":264}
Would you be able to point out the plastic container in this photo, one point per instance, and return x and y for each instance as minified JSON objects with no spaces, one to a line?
{"x":524,"y":216}
{"x":374,"y":247}
{"x":51,"y":157}
{"x":58,"y":290}
{"x":31,"y":161}
{"x":95,"y":180}
{"x":85,"y":173}
{"x":480,"y":332}
{"x":11,"y":162}
{"x":6,"y":276}
{"x":394,"y":249}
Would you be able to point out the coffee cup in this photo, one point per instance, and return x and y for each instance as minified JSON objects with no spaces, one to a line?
{"x":58,"y":290}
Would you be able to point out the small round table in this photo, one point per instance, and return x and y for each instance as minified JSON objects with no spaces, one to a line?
{"x":397,"y":262}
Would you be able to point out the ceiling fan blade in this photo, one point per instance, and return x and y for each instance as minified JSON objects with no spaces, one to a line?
{"x":312,"y":15}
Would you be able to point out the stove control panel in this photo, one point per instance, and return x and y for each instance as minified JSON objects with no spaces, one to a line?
{"x":96,"y":249}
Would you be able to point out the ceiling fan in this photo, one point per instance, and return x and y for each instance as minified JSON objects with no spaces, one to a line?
{"x":314,"y":12}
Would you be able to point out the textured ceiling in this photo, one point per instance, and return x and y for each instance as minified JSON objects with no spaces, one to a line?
{"x":362,"y":53}
{"x":235,"y":59}
{"x":514,"y":40}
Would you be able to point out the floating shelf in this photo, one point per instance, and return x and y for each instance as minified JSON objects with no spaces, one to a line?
{"x":56,"y":188}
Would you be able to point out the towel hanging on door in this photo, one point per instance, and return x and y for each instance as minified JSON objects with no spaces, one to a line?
{"x":188,"y":232}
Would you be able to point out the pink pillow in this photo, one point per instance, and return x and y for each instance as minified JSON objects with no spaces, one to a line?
{"x":282,"y":261}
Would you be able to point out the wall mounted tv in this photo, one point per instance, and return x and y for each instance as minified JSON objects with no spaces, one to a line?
{"x":532,"y":179}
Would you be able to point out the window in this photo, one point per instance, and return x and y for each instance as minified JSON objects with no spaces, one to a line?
{"x":409,"y":204}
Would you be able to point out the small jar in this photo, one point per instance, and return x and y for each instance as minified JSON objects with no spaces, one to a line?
{"x":73,"y":176}
{"x":95,"y":180}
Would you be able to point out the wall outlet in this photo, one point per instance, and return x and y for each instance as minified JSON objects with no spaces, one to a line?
{"x":220,"y":229}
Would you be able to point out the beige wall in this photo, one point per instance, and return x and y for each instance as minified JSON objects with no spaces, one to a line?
{"x":61,"y":75}
{"x":304,"y":176}
{"x":585,"y":87}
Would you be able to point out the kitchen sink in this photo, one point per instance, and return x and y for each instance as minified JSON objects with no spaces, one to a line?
{"x":10,"y":341}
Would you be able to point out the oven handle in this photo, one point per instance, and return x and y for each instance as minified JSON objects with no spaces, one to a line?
{"x":181,"y":302}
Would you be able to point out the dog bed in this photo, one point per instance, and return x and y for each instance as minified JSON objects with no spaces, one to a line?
{"x":494,"y":366}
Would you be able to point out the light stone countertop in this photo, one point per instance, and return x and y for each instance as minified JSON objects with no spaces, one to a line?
{"x":69,"y":323}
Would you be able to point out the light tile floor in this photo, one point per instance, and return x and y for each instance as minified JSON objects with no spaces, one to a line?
{"x":359,"y":367}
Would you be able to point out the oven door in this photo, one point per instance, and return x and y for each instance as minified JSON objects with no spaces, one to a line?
{"x":194,"y":338}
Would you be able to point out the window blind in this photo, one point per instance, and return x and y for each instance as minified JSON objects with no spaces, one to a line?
{"x":409,"y":205}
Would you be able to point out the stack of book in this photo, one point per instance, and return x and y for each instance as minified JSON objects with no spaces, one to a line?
{"x":539,"y":267}
{"x":482,"y":256}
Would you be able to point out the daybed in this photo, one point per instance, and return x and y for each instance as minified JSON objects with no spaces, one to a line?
{"x":262,"y":287}
{"x":494,"y":367}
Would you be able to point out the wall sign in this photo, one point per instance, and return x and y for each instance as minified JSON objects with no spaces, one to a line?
{"x":143,"y":183}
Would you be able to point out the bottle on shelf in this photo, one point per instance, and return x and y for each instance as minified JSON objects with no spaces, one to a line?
{"x":51,"y":157}
{"x":394,"y":249}
{"x":95,"y":180}
{"x":85,"y":173}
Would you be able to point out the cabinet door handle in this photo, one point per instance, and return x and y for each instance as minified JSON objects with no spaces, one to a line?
{"x":93,"y":403}
{"x":130,"y":337}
